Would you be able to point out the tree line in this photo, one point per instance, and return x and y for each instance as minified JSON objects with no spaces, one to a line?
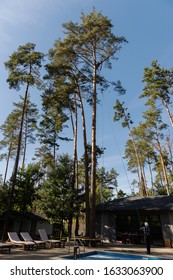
{"x":149,"y":147}
{"x":63,"y":186}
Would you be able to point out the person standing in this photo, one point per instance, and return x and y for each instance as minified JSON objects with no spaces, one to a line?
{"x":146,"y":230}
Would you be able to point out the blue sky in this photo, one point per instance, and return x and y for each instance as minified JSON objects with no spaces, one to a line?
{"x":146,"y":24}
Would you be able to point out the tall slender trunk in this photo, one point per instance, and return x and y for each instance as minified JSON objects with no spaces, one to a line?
{"x":93,"y":151}
{"x":14,"y":174}
{"x":141,"y":176}
{"x":75,"y":158}
{"x":151,"y":177}
{"x":86,"y":177}
{"x":165,"y":174}
{"x":25,"y":143}
{"x":7,"y":163}
{"x":15,"y":169}
{"x":24,"y":154}
{"x":169,"y":144}
{"x":54,"y":148}
{"x":168,"y":111}
{"x":25,"y":134}
{"x":145,"y":181}
{"x":142,"y":182}
{"x":163,"y":166}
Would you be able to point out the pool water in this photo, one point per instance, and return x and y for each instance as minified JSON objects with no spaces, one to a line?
{"x":99,"y":255}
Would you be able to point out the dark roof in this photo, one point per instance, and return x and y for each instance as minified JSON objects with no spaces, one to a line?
{"x":34,"y":216}
{"x":138,"y":203}
{"x":29,"y":215}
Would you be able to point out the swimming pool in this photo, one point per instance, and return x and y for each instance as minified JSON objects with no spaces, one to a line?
{"x":99,"y":255}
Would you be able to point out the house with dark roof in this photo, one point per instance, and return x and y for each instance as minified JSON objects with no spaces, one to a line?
{"x":29,"y":222}
{"x":121,"y":219}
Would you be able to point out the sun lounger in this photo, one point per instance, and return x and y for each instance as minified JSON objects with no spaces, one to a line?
{"x":44,"y":237}
{"x":26,"y":237}
{"x":5,"y":246}
{"x":15,"y":240}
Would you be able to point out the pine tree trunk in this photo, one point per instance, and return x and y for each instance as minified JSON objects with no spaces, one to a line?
{"x":141,"y":176}
{"x":24,"y":152}
{"x":86,"y":183}
{"x":25,"y":135}
{"x":15,"y":169}
{"x":151,"y":177}
{"x":163,"y":167}
{"x":93,"y":153}
{"x":14,"y":174}
{"x":75,"y":158}
{"x":165,"y":174}
{"x":7,"y":163}
{"x":168,"y":111}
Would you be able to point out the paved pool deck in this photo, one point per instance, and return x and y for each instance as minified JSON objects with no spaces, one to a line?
{"x":17,"y":253}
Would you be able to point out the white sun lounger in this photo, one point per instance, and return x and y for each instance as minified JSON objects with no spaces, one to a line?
{"x":44,"y":237}
{"x":15,"y":240}
{"x":26,"y":237}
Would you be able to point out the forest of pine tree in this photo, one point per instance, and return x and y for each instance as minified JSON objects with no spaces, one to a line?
{"x":63,"y":186}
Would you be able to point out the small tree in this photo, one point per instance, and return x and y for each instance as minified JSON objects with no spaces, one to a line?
{"x":58,"y":200}
{"x":26,"y":187}
{"x":50,"y":128}
{"x":106,"y":185}
{"x":4,"y":193}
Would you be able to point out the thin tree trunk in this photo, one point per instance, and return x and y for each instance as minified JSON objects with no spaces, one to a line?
{"x":86,"y":183}
{"x":163,"y":166}
{"x":93,"y":152}
{"x":141,"y":182}
{"x":14,"y":174}
{"x":7,"y":163}
{"x":145,"y":182}
{"x":151,"y":176}
{"x":165,"y":174}
{"x":25,"y":134}
{"x":54,"y":149}
{"x":168,"y":111}
{"x":169,"y":144}
{"x":15,"y":169}
{"x":75,"y":159}
{"x":24,"y":149}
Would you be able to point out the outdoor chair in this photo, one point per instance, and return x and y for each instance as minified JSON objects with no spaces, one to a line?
{"x":15,"y":240}
{"x":5,"y":246}
{"x":44,"y":237}
{"x":26,"y":237}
